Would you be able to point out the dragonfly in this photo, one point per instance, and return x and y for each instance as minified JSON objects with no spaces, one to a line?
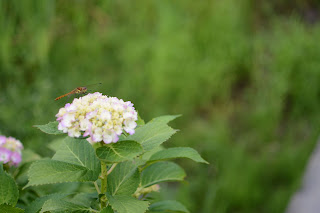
{"x":78,"y":90}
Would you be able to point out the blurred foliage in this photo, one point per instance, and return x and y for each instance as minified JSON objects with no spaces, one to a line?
{"x":244,"y":74}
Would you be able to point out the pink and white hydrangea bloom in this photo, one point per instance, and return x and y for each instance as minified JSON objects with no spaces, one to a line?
{"x":98,"y":116}
{"x":10,"y":150}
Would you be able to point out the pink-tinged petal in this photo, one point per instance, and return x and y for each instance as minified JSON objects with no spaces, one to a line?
{"x":86,"y":133}
{"x":90,"y":115}
{"x":2,"y":140}
{"x":15,"y":158}
{"x":115,"y":137}
{"x":5,"y":155}
{"x":129,"y":130}
{"x":107,"y":137}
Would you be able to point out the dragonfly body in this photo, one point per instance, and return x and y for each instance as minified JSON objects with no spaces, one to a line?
{"x":78,"y":90}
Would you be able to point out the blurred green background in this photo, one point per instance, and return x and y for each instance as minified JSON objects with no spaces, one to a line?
{"x":245,"y":74}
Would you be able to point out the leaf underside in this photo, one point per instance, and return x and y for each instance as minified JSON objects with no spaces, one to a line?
{"x":161,"y":172}
{"x":152,"y":134}
{"x":50,"y":128}
{"x":177,"y":152}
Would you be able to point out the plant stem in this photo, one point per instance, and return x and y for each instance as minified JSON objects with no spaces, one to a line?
{"x":104,"y":175}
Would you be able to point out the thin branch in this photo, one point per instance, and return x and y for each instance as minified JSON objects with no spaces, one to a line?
{"x":97,"y":187}
{"x":112,"y":167}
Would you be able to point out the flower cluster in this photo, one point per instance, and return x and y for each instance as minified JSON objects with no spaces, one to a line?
{"x":101,"y":117}
{"x":10,"y":150}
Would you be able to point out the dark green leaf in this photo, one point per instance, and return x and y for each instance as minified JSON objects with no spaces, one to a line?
{"x":4,"y":208}
{"x":107,"y":210}
{"x":9,"y":193}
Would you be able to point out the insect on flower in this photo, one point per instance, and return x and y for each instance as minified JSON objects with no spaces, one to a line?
{"x":78,"y":90}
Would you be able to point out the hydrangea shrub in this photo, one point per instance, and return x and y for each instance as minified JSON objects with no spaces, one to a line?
{"x":10,"y":151}
{"x":111,"y":161}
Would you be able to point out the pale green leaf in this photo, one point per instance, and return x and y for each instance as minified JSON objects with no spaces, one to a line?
{"x":168,"y":205}
{"x":9,"y":193}
{"x":152,"y":134}
{"x":55,"y":144}
{"x":10,"y":209}
{"x":124,"y":179}
{"x":146,"y":156}
{"x":54,"y":205}
{"x":177,"y":152}
{"x":75,"y":161}
{"x":127,"y":204}
{"x":50,"y":128}
{"x":37,"y":204}
{"x":161,"y":172}
{"x":140,"y":121}
{"x":79,"y":152}
{"x":165,"y":118}
{"x":52,"y":171}
{"x":120,"y":151}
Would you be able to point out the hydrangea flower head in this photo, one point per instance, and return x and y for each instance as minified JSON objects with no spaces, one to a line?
{"x":101,"y":117}
{"x":10,"y":150}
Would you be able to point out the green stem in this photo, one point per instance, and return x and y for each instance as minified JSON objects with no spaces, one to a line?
{"x":104,"y":175}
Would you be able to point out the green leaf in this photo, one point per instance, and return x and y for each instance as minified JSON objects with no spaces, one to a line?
{"x":75,"y":161}
{"x":120,"y":151}
{"x":10,"y":209}
{"x":79,"y":152}
{"x":153,"y":134}
{"x":108,"y":209}
{"x":84,"y":199}
{"x":50,"y":128}
{"x":140,"y":121}
{"x":9,"y":193}
{"x":55,"y":144}
{"x":52,"y":171}
{"x":127,"y":204}
{"x":168,"y":205}
{"x":124,"y":179}
{"x":161,"y":172}
{"x":36,"y":205}
{"x":146,"y":156}
{"x":54,"y":205}
{"x":177,"y":152}
{"x":165,"y":118}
